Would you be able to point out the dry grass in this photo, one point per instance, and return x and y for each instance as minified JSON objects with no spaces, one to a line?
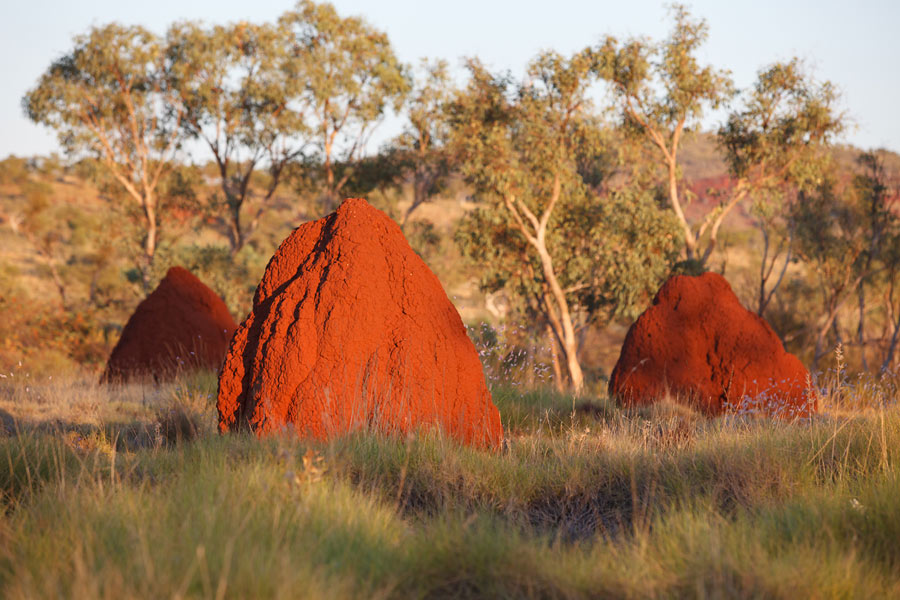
{"x":139,"y":497}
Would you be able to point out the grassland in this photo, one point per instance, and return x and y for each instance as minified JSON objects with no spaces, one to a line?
{"x":129,"y":492}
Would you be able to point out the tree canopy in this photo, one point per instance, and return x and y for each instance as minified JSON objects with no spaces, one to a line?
{"x":542,"y":230}
{"x":109,"y":97}
{"x":662,"y":91}
{"x":235,"y":93}
{"x":350,"y":76}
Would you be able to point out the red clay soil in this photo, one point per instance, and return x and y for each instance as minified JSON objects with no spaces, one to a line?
{"x":181,"y":324}
{"x":698,"y":343}
{"x":350,"y":329}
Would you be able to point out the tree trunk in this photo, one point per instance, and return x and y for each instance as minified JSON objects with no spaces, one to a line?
{"x":569,"y":343}
{"x":150,"y":242}
{"x":766,"y":297}
{"x":330,"y":191}
{"x":690,"y":242}
{"x":237,"y":233}
{"x":761,"y":305}
{"x":763,"y":276}
{"x":554,"y":356}
{"x":420,"y":185}
{"x":833,"y":305}
{"x":329,"y":171}
{"x":889,"y":355}
{"x":891,"y":326}
{"x":861,"y":328}
{"x":823,"y":332}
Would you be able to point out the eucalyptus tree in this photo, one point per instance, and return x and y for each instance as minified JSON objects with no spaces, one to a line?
{"x":662,"y":91}
{"x":236,"y":94}
{"x":829,"y":240}
{"x":849,"y":232}
{"x":350,"y":76}
{"x":109,"y":96}
{"x":878,"y":222}
{"x":424,"y":139}
{"x":875,"y":185}
{"x":542,"y":232}
{"x":771,"y":212}
{"x":776,"y":142}
{"x":881,"y":226}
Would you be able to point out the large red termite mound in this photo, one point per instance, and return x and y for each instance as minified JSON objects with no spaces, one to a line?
{"x":350,"y":329}
{"x":698,"y":343}
{"x":181,"y":324}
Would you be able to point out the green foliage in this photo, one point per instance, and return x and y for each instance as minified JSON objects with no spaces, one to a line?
{"x":108,"y":97}
{"x":636,"y":246}
{"x":662,"y":91}
{"x":519,"y":146}
{"x":379,"y":173}
{"x":427,"y":156}
{"x":850,"y":234}
{"x":828,"y":231}
{"x":566,"y":255}
{"x":662,"y":87}
{"x":774,"y":145}
{"x":178,"y":190}
{"x":516,"y":137}
{"x":563,"y":227}
{"x":237,"y":96}
{"x":690,"y":266}
{"x":781,"y":133}
{"x":349,"y":74}
{"x":112,"y":71}
{"x":612,"y":252}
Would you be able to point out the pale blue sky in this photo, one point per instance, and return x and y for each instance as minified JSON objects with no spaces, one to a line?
{"x":855,"y":45}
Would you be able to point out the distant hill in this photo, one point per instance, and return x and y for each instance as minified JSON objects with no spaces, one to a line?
{"x":705,"y":175}
{"x":701,"y":158}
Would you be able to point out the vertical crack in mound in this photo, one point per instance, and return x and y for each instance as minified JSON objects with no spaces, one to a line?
{"x":697,"y":341}
{"x":350,"y":329}
{"x":182,"y":324}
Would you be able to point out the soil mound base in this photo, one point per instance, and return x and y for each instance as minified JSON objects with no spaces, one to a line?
{"x":350,"y":329}
{"x":181,"y":324}
{"x":699,"y":344}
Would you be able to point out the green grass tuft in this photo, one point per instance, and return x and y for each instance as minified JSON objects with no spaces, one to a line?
{"x":585,"y":500}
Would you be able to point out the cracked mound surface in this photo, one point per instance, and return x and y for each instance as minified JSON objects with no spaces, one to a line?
{"x":350,"y":329}
{"x":181,"y":324}
{"x":697,"y":342}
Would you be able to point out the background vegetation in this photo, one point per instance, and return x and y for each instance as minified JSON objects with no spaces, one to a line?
{"x":551,"y":204}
